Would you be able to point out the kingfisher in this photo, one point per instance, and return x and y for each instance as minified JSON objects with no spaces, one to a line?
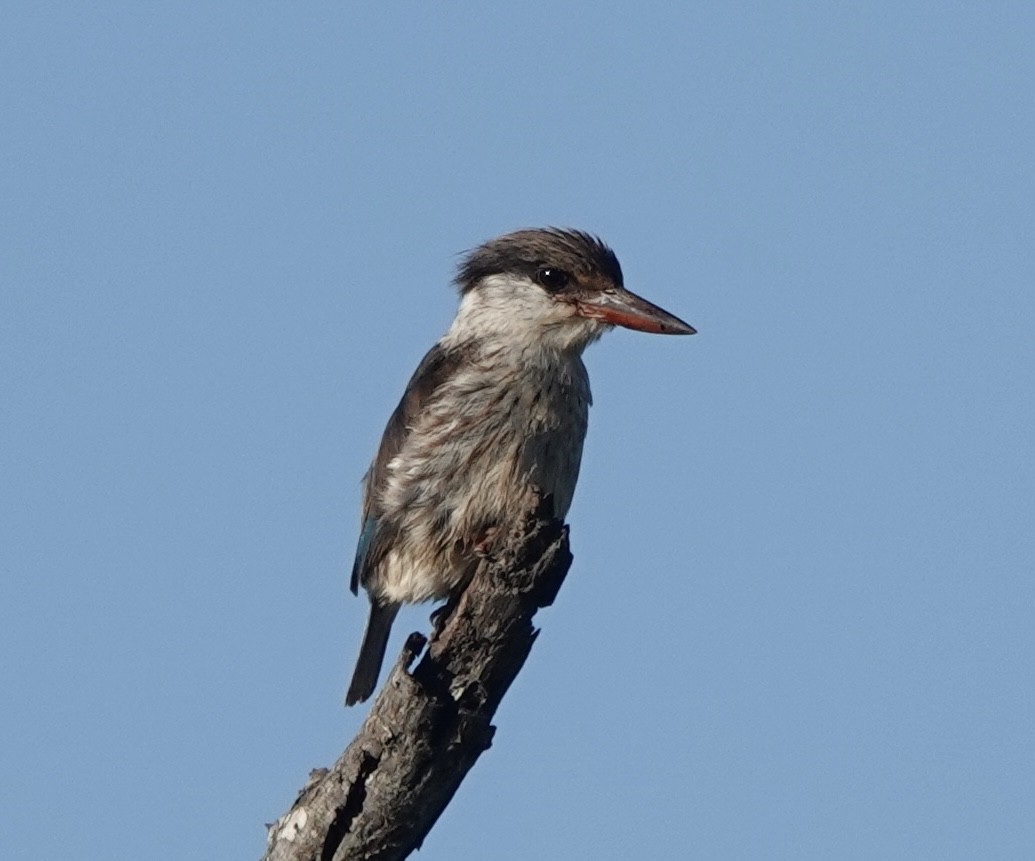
{"x":492,"y":420}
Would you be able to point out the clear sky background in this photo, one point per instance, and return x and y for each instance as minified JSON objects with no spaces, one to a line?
{"x":801,"y":618}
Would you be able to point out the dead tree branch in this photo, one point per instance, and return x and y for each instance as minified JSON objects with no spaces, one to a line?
{"x":429,"y":726}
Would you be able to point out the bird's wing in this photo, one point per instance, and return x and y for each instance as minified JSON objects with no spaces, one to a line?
{"x":435,"y":368}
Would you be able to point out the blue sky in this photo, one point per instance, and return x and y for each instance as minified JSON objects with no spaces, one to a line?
{"x":799,"y":621}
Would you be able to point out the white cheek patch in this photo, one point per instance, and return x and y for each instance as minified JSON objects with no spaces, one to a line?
{"x":510,"y":310}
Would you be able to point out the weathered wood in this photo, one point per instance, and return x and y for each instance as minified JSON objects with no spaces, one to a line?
{"x":429,"y":726}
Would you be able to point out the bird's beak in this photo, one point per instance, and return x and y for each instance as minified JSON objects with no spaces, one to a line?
{"x":622,"y":308}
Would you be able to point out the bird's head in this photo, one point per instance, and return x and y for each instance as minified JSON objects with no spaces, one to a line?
{"x":550,"y":288}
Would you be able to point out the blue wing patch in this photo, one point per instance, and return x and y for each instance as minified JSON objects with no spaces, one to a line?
{"x":365,"y":539}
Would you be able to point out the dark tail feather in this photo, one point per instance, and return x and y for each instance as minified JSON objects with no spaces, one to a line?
{"x":371,"y":653}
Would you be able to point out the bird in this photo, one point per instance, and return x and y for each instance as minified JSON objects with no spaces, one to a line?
{"x":493,"y":419}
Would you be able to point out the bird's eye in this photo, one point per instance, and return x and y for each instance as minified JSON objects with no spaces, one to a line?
{"x":552,"y":279}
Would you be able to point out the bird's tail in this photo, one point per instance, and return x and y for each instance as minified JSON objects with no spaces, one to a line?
{"x":372,"y":652}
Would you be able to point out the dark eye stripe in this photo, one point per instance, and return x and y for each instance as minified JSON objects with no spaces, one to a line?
{"x":552,"y":279}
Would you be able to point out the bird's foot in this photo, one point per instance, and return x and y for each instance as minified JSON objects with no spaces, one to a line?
{"x":440,"y":615}
{"x":483,"y":546}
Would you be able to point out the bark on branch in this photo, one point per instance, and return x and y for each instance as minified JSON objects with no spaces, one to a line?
{"x":429,"y":726}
